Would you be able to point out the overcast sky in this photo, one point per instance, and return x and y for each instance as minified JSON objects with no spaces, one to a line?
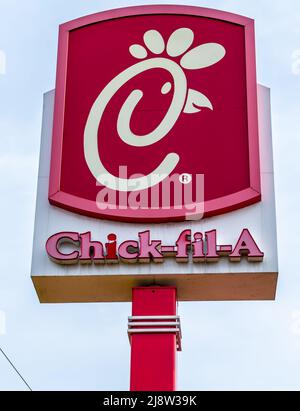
{"x":85,"y":347}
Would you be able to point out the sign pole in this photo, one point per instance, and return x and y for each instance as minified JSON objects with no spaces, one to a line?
{"x":155,"y":336}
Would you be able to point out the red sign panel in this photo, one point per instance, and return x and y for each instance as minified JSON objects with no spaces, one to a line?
{"x":156,"y":115}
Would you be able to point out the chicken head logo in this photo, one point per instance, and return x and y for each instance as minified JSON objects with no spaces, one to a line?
{"x":155,"y":115}
{"x":185,"y":101}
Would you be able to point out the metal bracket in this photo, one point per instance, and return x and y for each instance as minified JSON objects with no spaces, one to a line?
{"x":164,"y":324}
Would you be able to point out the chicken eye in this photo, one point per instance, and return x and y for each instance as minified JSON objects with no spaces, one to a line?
{"x":166,"y":88}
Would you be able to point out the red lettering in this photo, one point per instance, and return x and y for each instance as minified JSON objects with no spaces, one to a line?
{"x":91,"y":251}
{"x":149,"y":249}
{"x":182,"y":244}
{"x":56,"y":241}
{"x":246,"y":246}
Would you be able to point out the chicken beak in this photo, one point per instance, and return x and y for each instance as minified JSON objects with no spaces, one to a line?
{"x":195,"y":101}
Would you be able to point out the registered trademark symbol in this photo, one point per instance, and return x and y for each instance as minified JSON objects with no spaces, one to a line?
{"x":185,"y":178}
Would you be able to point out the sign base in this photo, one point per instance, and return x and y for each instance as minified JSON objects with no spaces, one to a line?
{"x":155,"y":336}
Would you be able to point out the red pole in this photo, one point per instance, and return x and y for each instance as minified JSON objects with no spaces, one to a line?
{"x":154,"y":331}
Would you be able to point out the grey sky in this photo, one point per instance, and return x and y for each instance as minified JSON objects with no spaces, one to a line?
{"x":73,"y":347}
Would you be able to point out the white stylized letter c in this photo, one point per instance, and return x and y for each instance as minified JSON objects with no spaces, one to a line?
{"x":91,"y":149}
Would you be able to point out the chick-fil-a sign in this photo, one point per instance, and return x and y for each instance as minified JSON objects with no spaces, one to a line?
{"x":152,"y":98}
{"x":198,"y":247}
